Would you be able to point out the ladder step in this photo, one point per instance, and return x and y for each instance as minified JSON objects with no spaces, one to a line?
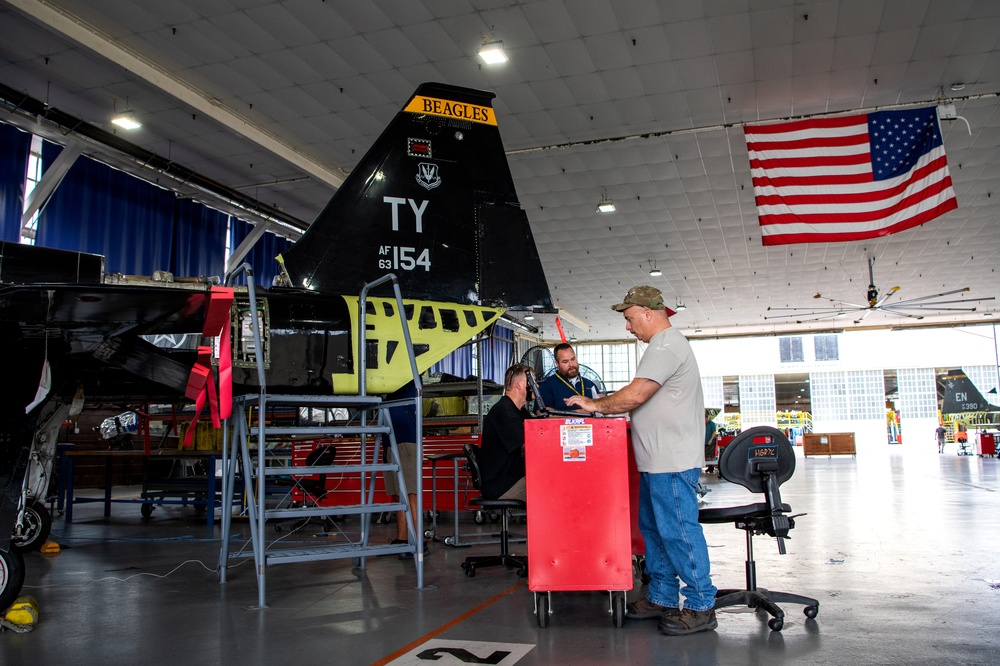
{"x":340,"y":510}
{"x":296,"y":470}
{"x":342,"y":551}
{"x":319,"y":431}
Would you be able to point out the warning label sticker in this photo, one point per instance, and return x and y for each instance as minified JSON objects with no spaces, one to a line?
{"x":574,"y":440}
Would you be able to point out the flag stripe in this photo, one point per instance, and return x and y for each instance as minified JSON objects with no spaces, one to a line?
{"x":927,"y":174}
{"x":788,"y":236}
{"x":841,"y":213}
{"x":848,"y":178}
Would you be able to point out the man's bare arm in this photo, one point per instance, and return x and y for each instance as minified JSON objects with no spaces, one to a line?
{"x":638,"y":391}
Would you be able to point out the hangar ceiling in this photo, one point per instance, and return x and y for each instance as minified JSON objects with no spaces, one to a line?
{"x":642,"y":101}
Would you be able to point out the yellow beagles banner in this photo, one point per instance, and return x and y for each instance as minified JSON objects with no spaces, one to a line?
{"x":451,"y":109}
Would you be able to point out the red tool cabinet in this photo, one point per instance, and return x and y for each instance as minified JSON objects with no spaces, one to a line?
{"x":579,"y":532}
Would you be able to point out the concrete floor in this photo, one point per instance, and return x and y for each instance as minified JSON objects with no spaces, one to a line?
{"x":900,"y":547}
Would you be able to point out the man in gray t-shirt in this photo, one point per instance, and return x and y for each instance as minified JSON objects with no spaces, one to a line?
{"x":668,"y":435}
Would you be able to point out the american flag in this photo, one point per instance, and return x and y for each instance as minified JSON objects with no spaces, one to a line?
{"x":849,"y":178}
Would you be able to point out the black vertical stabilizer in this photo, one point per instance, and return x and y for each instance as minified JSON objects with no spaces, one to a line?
{"x":961,"y":395}
{"x":432,"y":201}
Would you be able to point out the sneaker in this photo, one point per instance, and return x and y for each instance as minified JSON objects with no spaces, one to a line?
{"x":644,"y":609}
{"x":688,"y":622}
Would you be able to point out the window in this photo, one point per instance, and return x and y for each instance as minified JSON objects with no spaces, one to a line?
{"x":826,"y":348}
{"x":615,"y":363}
{"x":791,"y":350}
{"x":32,"y":179}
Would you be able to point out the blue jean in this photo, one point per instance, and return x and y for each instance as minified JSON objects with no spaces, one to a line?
{"x":675,"y":543}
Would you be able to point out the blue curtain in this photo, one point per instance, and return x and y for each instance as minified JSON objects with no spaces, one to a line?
{"x":498,"y":353}
{"x":458,"y":363}
{"x":261,"y":256}
{"x":105,"y":211}
{"x":199,"y":242}
{"x":14,"y":148}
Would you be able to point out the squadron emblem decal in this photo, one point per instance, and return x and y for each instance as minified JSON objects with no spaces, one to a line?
{"x":427,"y":175}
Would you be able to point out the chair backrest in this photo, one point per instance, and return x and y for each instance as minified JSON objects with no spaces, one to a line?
{"x":472,"y":463}
{"x":761,"y":459}
{"x":756,"y":454}
{"x":323,"y":454}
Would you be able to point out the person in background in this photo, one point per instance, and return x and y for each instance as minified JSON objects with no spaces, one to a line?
{"x":668,"y":434}
{"x":711,"y":433}
{"x":404,"y":427}
{"x":940,"y":433}
{"x":501,"y":461}
{"x":566,"y":381}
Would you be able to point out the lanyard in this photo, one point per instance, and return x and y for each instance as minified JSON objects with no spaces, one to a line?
{"x":582,"y":392}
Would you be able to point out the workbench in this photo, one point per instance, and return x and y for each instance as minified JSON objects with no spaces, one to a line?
{"x":195,"y":491}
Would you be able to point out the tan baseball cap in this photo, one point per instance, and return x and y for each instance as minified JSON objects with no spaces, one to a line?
{"x":644,"y":297}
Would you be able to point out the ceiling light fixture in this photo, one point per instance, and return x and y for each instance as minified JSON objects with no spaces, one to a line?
{"x":126,"y":121}
{"x":529,"y":317}
{"x":680,"y":306}
{"x":653,"y":270}
{"x":492,"y":52}
{"x":605,"y":205}
{"x":957,"y":86}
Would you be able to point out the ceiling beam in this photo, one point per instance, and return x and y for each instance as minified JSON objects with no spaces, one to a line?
{"x":90,"y":37}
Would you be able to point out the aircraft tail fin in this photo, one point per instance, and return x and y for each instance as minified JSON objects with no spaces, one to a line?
{"x":433,"y":201}
{"x":961,"y":395}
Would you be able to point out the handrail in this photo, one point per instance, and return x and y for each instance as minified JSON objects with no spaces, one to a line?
{"x":418,"y":522}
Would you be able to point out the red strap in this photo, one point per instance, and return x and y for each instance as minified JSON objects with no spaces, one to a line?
{"x":196,"y":391}
{"x":225,"y":373}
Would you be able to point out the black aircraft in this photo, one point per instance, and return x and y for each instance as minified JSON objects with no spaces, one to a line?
{"x":961,"y":396}
{"x":432,"y":202}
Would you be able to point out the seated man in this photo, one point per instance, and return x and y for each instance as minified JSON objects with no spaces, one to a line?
{"x":566,"y":382}
{"x":501,"y":460}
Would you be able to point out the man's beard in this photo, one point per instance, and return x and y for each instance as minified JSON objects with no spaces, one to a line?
{"x":571,"y":373}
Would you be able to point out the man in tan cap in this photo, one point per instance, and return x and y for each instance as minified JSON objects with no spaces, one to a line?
{"x":668,"y":435}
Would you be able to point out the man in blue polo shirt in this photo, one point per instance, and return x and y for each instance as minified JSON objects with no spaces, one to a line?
{"x":567,"y":380}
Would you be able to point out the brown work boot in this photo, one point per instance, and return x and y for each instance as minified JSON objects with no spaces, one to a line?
{"x":644,"y":609}
{"x":688,"y":622}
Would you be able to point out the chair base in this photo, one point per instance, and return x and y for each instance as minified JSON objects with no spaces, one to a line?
{"x":504,"y":558}
{"x":472,"y":563}
{"x":767,"y":600}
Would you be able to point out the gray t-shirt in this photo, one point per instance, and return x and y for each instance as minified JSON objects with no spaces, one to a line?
{"x":668,"y":430}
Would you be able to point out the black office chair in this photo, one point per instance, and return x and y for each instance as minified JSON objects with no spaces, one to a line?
{"x":314,"y":490}
{"x":504,"y":506}
{"x":759,"y":459}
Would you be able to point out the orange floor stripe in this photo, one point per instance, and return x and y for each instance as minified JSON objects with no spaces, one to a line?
{"x":464,"y":616}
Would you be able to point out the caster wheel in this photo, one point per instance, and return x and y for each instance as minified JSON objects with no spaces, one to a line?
{"x":522,"y":573}
{"x":494,"y":517}
{"x":618,"y":609}
{"x":277,"y":528}
{"x":449,"y":541}
{"x":811,"y":611}
{"x":542,"y":610}
{"x":146,"y":509}
{"x":479,"y":518}
{"x":34,"y":529}
{"x":470,"y":571}
{"x":776,"y":623}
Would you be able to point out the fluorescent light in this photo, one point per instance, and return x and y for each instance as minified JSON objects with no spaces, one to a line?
{"x":605,"y":205}
{"x":492,"y":53}
{"x":126,"y":121}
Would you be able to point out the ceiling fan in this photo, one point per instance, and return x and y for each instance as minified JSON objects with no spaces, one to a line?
{"x":913,"y":308}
